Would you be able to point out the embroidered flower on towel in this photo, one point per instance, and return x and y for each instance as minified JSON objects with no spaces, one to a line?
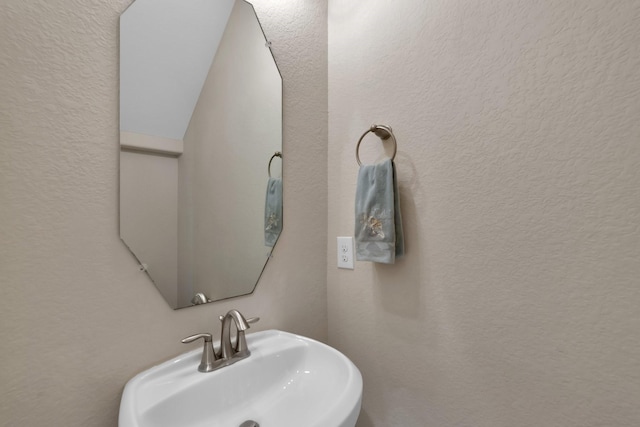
{"x":272,"y":222}
{"x":372,"y":224}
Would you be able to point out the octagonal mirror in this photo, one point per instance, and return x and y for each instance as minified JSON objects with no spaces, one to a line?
{"x":200,"y":146}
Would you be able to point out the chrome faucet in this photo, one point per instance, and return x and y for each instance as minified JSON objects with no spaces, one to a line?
{"x":228,"y":353}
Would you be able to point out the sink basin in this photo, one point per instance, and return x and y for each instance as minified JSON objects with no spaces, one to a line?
{"x":288,"y":381}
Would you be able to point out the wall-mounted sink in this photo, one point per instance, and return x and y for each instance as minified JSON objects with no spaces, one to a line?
{"x":288,"y":381}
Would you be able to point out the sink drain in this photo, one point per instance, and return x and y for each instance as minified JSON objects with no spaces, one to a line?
{"x":249,"y":423}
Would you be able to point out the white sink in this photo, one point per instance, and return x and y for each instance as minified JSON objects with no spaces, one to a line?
{"x":288,"y":381}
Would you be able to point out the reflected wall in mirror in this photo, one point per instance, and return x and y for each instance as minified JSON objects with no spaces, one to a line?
{"x":200,"y":126}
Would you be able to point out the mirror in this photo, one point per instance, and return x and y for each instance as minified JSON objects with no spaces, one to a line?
{"x":200,"y":144}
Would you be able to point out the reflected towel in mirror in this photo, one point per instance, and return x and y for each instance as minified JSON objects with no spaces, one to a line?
{"x":273,"y":211}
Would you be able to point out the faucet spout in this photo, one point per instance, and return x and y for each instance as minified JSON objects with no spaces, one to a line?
{"x":226,"y":349}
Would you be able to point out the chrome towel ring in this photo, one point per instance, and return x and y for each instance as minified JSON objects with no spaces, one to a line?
{"x":276,"y":154}
{"x":384,"y":133}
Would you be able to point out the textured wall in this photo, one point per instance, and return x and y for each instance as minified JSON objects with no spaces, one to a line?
{"x":77,"y":319}
{"x":518,"y":159}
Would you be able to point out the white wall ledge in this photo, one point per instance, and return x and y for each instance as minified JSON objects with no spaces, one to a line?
{"x":131,"y":141}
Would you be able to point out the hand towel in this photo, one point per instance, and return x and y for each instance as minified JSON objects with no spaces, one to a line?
{"x":378,"y":231}
{"x":273,"y":211}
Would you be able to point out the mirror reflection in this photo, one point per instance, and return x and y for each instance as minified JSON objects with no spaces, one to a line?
{"x":201,"y":143}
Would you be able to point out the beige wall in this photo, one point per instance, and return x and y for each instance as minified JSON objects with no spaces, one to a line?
{"x":518,"y":159}
{"x":77,"y":318}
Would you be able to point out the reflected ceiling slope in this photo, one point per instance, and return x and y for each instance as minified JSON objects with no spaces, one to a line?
{"x":170,"y":49}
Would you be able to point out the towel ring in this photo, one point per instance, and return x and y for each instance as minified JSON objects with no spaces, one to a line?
{"x":384,"y":132}
{"x":276,"y":154}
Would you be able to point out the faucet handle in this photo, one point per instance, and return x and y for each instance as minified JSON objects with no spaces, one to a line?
{"x":192,"y":338}
{"x":208,"y":355}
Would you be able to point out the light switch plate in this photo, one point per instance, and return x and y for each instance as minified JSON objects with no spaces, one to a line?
{"x":345,"y":252}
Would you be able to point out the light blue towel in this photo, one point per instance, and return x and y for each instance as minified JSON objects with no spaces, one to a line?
{"x":378,"y":232}
{"x":273,"y":211}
